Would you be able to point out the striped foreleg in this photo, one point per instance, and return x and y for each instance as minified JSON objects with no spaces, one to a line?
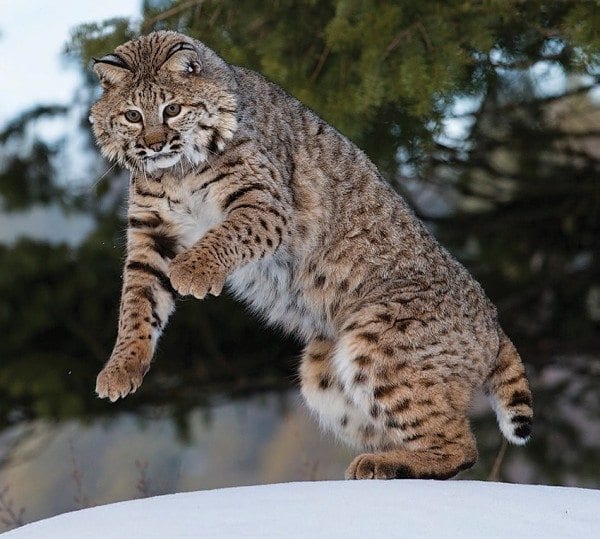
{"x":146,"y":303}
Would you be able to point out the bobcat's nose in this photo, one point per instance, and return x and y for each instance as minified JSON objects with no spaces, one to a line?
{"x":155,"y":137}
{"x":157,"y":146}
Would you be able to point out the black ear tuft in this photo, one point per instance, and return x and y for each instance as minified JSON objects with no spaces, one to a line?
{"x":112,"y":59}
{"x":180,"y":47}
{"x":111,"y":69}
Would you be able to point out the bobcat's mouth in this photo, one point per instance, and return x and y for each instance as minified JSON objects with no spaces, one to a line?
{"x":163,"y":160}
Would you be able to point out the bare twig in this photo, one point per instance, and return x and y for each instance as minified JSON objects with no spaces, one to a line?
{"x":549,"y":99}
{"x":425,"y":35}
{"x":497,"y":467}
{"x":143,"y":483}
{"x":8,"y":515}
{"x":76,"y":474}
{"x":169,"y":13}
{"x":320,"y":63}
{"x":310,"y":470}
{"x":398,"y":39}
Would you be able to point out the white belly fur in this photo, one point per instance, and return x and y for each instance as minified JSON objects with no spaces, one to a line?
{"x":267,"y":285}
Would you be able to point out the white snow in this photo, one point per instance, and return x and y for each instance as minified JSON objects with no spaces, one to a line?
{"x":349,"y":509}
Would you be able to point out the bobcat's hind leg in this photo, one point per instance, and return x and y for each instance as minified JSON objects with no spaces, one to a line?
{"x":326,"y":398}
{"x":434,"y":456}
{"x":416,"y":394}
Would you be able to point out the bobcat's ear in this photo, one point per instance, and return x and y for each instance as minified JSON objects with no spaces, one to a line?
{"x":111,"y":69}
{"x":182,"y":58}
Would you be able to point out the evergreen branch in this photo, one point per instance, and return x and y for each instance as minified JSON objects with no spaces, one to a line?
{"x":175,"y":10}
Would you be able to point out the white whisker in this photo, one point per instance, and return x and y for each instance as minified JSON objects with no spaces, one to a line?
{"x":145,"y":176}
{"x":196,"y":171}
{"x":93,"y":186}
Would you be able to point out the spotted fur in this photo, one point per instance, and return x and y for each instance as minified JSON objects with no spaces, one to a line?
{"x":234,"y":182}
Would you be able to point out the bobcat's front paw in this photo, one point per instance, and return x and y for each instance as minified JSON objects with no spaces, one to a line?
{"x":196,"y":273}
{"x":120,"y":377}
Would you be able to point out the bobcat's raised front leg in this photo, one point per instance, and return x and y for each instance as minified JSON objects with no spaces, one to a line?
{"x":147,"y":301}
{"x":254,"y":225}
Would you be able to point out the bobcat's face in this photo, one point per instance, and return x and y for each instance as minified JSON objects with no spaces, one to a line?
{"x":166,"y":99}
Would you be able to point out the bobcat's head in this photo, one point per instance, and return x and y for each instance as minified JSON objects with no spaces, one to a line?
{"x":166,"y":98}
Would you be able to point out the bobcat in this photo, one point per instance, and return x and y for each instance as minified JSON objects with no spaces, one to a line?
{"x":235,"y":182}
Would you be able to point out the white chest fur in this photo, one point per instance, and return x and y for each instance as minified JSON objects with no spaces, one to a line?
{"x":191,"y":216}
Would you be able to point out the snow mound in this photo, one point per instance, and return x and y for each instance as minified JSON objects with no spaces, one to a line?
{"x":364,"y":509}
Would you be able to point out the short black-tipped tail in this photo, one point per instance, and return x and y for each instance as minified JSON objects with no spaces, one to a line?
{"x":509,"y":393}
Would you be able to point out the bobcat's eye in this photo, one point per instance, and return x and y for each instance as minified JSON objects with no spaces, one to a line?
{"x":172,"y":110}
{"x":133,"y":116}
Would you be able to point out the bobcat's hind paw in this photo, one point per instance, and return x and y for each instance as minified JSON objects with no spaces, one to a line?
{"x":377,"y":466}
